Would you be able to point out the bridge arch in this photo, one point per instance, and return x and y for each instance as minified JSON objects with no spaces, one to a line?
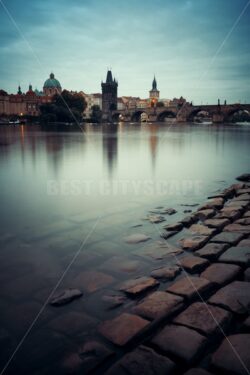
{"x":137,"y":116}
{"x":199,"y":113}
{"x":238,"y":115}
{"x":117,"y":117}
{"x":167,"y":114}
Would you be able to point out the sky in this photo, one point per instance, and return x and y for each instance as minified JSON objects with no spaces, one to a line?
{"x":195,"y":48}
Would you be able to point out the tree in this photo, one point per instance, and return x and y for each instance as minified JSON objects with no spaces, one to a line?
{"x":67,"y":107}
{"x":70,"y":101}
{"x":96,"y":115}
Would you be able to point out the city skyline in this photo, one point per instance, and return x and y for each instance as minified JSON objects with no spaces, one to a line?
{"x":183,"y":44}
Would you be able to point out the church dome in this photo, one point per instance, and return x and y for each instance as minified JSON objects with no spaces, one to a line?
{"x":52,"y":82}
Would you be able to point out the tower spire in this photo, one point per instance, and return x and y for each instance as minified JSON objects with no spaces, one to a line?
{"x":154,"y":84}
{"x":109,"y":78}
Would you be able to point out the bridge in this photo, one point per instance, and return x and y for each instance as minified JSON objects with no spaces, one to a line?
{"x":185,"y":113}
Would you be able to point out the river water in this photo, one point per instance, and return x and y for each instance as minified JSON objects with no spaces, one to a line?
{"x":71,"y":198}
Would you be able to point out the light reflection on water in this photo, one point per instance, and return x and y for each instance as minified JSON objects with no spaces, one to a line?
{"x":55,"y":185}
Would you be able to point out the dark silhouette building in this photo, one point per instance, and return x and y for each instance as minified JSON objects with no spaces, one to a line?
{"x":109,"y":94}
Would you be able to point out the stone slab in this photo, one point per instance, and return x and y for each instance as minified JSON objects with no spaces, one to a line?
{"x":155,"y":219}
{"x":228,"y":237}
{"x":236,"y":255}
{"x":123,"y":328}
{"x":167,"y":235}
{"x":212,"y":251}
{"x":64,"y":297}
{"x":173,"y":340}
{"x":204,"y":318}
{"x":242,"y":197}
{"x":231,"y":213}
{"x":158,"y":305}
{"x":202,"y":230}
{"x":243,"y":221}
{"x":188,"y":220}
{"x":205,"y":214}
{"x":157,"y":250}
{"x":243,"y":191}
{"x":166,"y":273}
{"x":213,"y":203}
{"x":216,"y":223}
{"x":233,"y":355}
{"x":247,"y":214}
{"x":193,"y":264}
{"x":237,"y":228}
{"x":238,"y":204}
{"x":190,"y":287}
{"x":174,"y":227}
{"x":234,"y":297}
{"x":166,"y":211}
{"x":194,"y":242}
{"x":139,"y":285}
{"x":220,"y":273}
{"x":144,"y":361}
{"x":136,"y":238}
{"x":244,"y":243}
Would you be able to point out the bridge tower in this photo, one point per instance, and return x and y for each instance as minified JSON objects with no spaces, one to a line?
{"x":154,"y":94}
{"x":109,"y":94}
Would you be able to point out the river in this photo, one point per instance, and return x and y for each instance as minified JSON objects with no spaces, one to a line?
{"x":68,"y":201}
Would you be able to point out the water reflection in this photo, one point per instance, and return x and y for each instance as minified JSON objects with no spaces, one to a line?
{"x":54,"y":150}
{"x":110,"y":147}
{"x":153,"y":141}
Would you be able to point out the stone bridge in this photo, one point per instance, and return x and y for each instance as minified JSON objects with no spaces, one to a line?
{"x":185,"y":113}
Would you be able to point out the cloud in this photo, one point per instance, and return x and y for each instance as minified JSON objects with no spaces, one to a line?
{"x":78,"y":40}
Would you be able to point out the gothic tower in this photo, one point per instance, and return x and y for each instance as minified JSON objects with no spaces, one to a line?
{"x":109,"y":94}
{"x":154,"y":94}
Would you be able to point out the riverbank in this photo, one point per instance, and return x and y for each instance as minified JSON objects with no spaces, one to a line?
{"x":188,"y":317}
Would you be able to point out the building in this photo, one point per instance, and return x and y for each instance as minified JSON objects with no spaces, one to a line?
{"x":130,"y":102}
{"x":142,"y":103}
{"x":28,"y":104}
{"x":52,"y":86}
{"x":109,"y":94}
{"x":120,"y":104}
{"x":91,"y":100}
{"x":166,"y":102}
{"x":154,"y":94}
{"x":20,"y":104}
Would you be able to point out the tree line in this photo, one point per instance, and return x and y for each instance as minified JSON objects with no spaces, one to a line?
{"x":67,"y":107}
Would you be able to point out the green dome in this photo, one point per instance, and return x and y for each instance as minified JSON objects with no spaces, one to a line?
{"x":52,"y":83}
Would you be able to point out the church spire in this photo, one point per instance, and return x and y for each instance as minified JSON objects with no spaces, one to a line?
{"x":19,"y":90}
{"x":154,"y":84}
